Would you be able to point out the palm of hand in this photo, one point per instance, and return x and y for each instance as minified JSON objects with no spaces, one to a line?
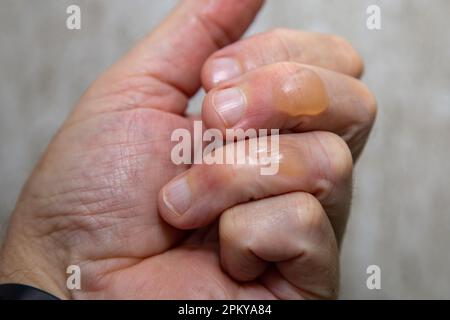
{"x":104,"y":208}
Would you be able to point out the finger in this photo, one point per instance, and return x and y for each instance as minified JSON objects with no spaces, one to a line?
{"x":293,"y":97}
{"x":326,"y":51}
{"x":290,"y":230}
{"x":164,"y":69}
{"x":316,"y":162}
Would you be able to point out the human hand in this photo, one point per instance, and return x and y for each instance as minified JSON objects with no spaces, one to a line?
{"x":93,"y":198}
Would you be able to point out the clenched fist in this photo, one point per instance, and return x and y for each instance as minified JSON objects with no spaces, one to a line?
{"x":106,"y":196}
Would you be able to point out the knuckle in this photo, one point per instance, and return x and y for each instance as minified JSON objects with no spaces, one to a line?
{"x":355,"y":62}
{"x":369,"y":105}
{"x":338,"y":157}
{"x":226,"y":223}
{"x":229,"y":227}
{"x":308,"y":214}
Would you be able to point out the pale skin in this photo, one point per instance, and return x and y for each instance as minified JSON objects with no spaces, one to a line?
{"x":101,"y":195}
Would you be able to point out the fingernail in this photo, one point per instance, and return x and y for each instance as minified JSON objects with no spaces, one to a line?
{"x":223,"y":69}
{"x":230,"y":105}
{"x":177,"y":196}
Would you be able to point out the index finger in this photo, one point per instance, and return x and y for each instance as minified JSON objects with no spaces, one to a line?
{"x":282,"y":45}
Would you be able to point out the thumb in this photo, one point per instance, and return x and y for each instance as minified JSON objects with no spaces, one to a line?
{"x":168,"y":61}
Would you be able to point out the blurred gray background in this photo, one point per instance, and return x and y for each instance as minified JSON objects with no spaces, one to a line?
{"x":400,"y":218}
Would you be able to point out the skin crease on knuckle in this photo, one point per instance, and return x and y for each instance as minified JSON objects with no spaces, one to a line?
{"x":303,"y":220}
{"x":331,"y":159}
{"x":296,"y":220}
{"x":337,"y":156}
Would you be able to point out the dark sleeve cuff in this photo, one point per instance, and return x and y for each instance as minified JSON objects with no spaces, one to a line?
{"x":12,"y":291}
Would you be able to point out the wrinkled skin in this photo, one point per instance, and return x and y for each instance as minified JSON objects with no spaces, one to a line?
{"x":93,"y":198}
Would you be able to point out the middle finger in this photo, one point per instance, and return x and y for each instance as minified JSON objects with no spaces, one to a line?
{"x":318,"y":163}
{"x":294,"y":97}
